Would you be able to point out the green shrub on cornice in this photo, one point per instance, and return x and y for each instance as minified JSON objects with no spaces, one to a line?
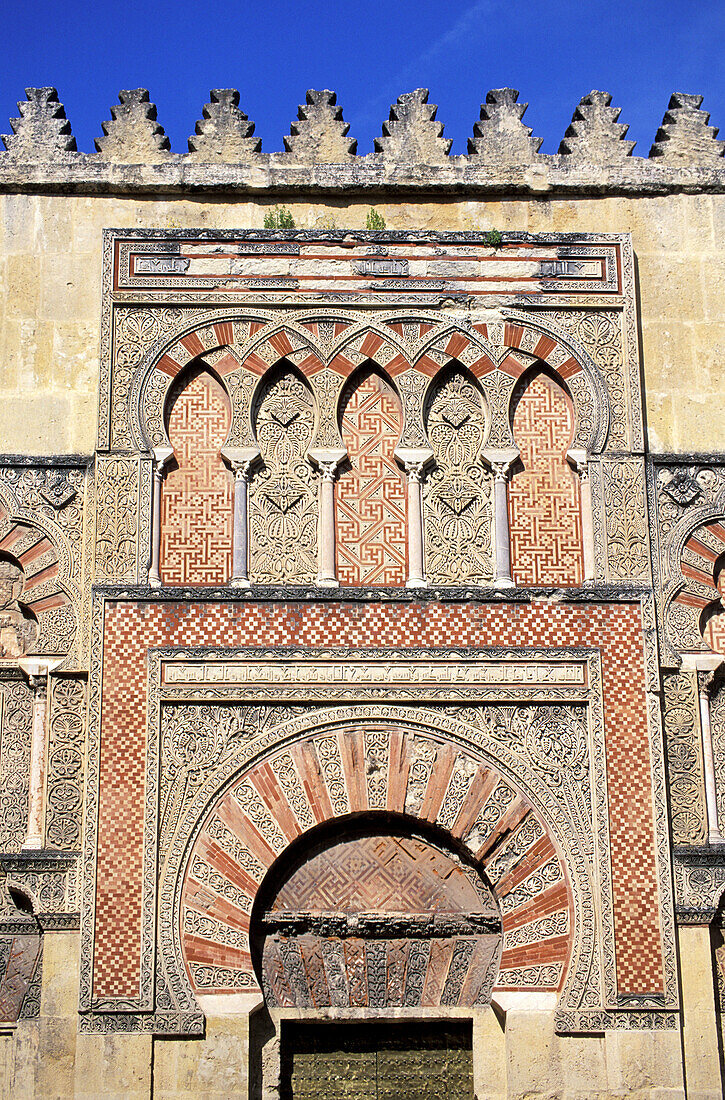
{"x":374,"y":220}
{"x":493,"y":238}
{"x":279,"y":218}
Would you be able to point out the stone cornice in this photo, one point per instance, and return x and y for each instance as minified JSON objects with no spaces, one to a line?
{"x":277,"y":174}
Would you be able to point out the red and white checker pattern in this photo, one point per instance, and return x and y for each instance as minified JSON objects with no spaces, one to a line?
{"x":615,"y":629}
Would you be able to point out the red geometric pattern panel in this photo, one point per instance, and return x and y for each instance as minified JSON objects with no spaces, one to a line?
{"x":196,"y":499}
{"x":614,"y":629}
{"x":379,"y":874}
{"x":544,"y":504}
{"x":714,"y":633}
{"x":370,"y":515}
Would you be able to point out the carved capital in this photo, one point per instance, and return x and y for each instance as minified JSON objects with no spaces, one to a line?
{"x":161,"y":457}
{"x":326,"y":461}
{"x":579,"y":459}
{"x":37,"y":671}
{"x":500,"y":461}
{"x":242,"y":461}
{"x":415,"y":461}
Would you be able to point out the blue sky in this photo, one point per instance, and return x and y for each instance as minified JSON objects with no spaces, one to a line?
{"x":369,"y":52}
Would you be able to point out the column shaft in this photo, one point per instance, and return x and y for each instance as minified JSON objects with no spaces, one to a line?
{"x":326,"y":566}
{"x":501,"y":515}
{"x":155,"y":568}
{"x":35,"y":835}
{"x":416,"y":573}
{"x":708,"y":765}
{"x":240,"y":550}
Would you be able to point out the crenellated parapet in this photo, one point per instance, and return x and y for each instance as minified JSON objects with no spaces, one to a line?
{"x":594,"y":156}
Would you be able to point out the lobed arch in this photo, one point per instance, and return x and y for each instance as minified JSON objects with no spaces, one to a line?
{"x":44,"y":557}
{"x":332,"y":773}
{"x":694,"y":566}
{"x":327,"y":348}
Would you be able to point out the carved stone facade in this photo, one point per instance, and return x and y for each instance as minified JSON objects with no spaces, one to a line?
{"x":370,"y":669}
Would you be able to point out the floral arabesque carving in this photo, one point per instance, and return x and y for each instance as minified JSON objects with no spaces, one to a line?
{"x":118,"y":496}
{"x":684,"y":759}
{"x":16,"y":715}
{"x":283,"y":493}
{"x":66,"y":764}
{"x":625,"y":521}
{"x":457,"y":493}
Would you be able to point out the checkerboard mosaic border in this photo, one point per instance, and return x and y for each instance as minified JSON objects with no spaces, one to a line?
{"x":431,"y":623}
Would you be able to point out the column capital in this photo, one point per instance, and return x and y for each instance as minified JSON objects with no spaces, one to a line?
{"x":500,"y":460}
{"x":579,"y":459}
{"x":242,"y":460}
{"x":161,"y":456}
{"x":37,"y":669}
{"x":415,"y":461}
{"x":326,"y":461}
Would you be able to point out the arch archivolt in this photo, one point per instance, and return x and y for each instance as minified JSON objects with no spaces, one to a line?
{"x":692,"y":567}
{"x":50,"y":591}
{"x":523,"y":832}
{"x":327,"y":347}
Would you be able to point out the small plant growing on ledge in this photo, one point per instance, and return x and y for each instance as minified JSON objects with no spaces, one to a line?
{"x":493,"y":238}
{"x":279,"y":218}
{"x":374,"y":220}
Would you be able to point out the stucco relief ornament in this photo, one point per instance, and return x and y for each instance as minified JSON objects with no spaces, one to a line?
{"x":556,"y":740}
{"x":681,"y":485}
{"x":58,"y":492}
{"x":197,"y":738}
{"x":18,"y":633}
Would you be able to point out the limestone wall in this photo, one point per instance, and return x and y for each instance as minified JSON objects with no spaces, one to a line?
{"x":50,"y":275}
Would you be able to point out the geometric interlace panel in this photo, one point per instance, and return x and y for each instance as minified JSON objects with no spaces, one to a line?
{"x":196,"y":500}
{"x":370,"y":495}
{"x":544,"y":493}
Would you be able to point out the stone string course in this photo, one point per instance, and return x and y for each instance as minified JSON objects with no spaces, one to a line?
{"x":134,"y":153}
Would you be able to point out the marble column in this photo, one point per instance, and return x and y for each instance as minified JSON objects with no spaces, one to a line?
{"x":500,"y":464}
{"x":415,"y":461}
{"x":242,"y":461}
{"x":416,"y":574}
{"x":580,"y":462}
{"x":161,"y":456}
{"x":37,"y":670}
{"x":327,"y":463}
